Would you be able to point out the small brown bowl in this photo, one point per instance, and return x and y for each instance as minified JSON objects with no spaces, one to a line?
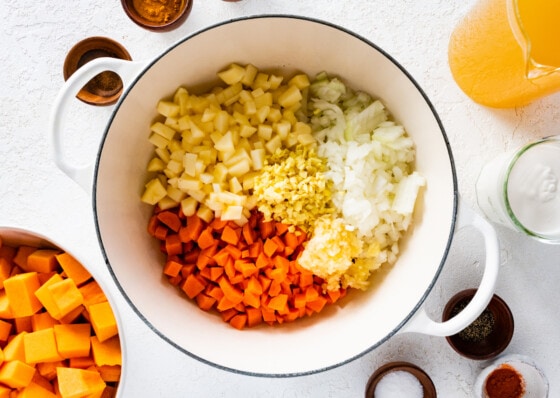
{"x":469,"y":342}
{"x":157,"y":16}
{"x":106,"y":87}
{"x":423,"y":378}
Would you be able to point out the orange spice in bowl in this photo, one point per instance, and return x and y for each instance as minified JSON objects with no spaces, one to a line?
{"x":157,"y":15}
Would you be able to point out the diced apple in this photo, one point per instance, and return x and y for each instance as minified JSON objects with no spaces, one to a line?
{"x":154,"y":192}
{"x":273,"y":144}
{"x":232,"y":213}
{"x":240,"y":168}
{"x":168,"y":108}
{"x":189,"y":163}
{"x":189,"y":206}
{"x":234,"y":74}
{"x":163,"y":130}
{"x":249,"y":76}
{"x":156,"y":164}
{"x":290,"y":97}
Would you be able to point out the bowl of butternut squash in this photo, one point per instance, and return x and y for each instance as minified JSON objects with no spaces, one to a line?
{"x":59,"y":336}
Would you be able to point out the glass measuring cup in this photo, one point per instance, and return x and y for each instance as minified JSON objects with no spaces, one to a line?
{"x":520,"y":189}
{"x":504,"y":53}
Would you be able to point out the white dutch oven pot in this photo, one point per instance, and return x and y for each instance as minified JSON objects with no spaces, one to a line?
{"x":339,"y":334}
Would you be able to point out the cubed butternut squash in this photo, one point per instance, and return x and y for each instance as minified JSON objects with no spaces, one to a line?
{"x":34,"y":390}
{"x":103,"y":320}
{"x":15,"y":350}
{"x":42,"y":260}
{"x":79,"y":383}
{"x":107,"y":352}
{"x":16,"y":374}
{"x":73,"y":269}
{"x":73,"y":340}
{"x":40,"y":346}
{"x":20,"y":290}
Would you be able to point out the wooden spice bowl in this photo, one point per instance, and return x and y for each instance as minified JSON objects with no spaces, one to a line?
{"x":489,"y":345}
{"x":423,"y":378}
{"x":157,"y":16}
{"x":106,"y":87}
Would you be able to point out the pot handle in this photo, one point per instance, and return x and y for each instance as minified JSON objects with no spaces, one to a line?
{"x":422,"y":323}
{"x":127,"y":70}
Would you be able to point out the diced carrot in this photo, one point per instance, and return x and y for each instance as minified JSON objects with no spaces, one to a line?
{"x":254,"y":286}
{"x":215,"y":273}
{"x":215,"y":292}
{"x":233,"y":251}
{"x":173,"y":244}
{"x":193,"y":286}
{"x":229,"y":268}
{"x":238,"y":321}
{"x":170,"y":219}
{"x":246,"y":268}
{"x":172,"y":268}
{"x":262,"y":261}
{"x":266,"y":228}
{"x":317,"y":304}
{"x":221,"y":257}
{"x":280,"y":243}
{"x":191,"y":256}
{"x":205,"y":302}
{"x":268,"y":315}
{"x":206,"y":238}
{"x":237,"y":279}
{"x":279,"y":303}
{"x":270,"y":247}
{"x":232,"y":293}
{"x":231,"y":235}
{"x":291,"y":240}
{"x":334,"y":295}
{"x":275,"y":288}
{"x":188,"y":269}
{"x":225,"y":304}
{"x":306,"y":279}
{"x":281,"y":228}
{"x":192,"y":230}
{"x":161,"y":232}
{"x":265,"y":282}
{"x":299,"y":300}
{"x":311,"y":293}
{"x":218,"y":224}
{"x":249,"y":234}
{"x":254,"y":316}
{"x":251,"y":299}
{"x":152,"y":225}
{"x":255,"y":249}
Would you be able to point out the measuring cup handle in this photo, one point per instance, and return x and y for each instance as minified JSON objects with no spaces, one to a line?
{"x":422,"y":323}
{"x":127,"y":70}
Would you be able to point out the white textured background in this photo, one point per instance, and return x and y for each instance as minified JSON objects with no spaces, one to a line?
{"x":34,"y":194}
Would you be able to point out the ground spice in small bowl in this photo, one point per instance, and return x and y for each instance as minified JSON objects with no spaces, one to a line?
{"x":504,"y":382}
{"x":480,"y":329}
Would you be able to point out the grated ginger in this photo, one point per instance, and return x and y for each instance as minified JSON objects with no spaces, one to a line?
{"x":292,"y":187}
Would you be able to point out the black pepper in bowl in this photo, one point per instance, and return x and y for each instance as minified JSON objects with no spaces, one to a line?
{"x":488,"y":335}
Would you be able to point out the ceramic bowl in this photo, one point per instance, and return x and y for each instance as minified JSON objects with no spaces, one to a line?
{"x":492,"y":344}
{"x":158,"y":17}
{"x":106,"y":87}
{"x":427,"y":384}
{"x":17,"y":237}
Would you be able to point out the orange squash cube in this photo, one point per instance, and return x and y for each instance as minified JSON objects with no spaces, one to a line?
{"x":73,"y":340}
{"x":73,"y":268}
{"x":78,"y":383}
{"x":107,"y":352}
{"x":16,"y":374}
{"x":103,"y":320}
{"x":20,"y":290}
{"x":40,"y":346}
{"x":42,"y":260}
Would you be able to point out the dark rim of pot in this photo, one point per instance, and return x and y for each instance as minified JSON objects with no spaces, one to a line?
{"x":451,"y":164}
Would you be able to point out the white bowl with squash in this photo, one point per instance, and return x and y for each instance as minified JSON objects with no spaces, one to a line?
{"x":59,"y":335}
{"x":275,"y":196}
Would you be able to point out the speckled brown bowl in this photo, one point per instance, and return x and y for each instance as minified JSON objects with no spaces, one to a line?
{"x":493,"y":344}
{"x":106,"y":87}
{"x":161,"y":20}
{"x":423,"y":378}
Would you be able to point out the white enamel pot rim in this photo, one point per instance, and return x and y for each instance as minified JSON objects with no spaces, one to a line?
{"x":16,"y":236}
{"x":341,"y":333}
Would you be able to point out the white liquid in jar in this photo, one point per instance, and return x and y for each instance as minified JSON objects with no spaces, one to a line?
{"x":534,"y":190}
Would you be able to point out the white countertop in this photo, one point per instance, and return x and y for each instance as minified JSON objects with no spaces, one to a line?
{"x":35,"y":195}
